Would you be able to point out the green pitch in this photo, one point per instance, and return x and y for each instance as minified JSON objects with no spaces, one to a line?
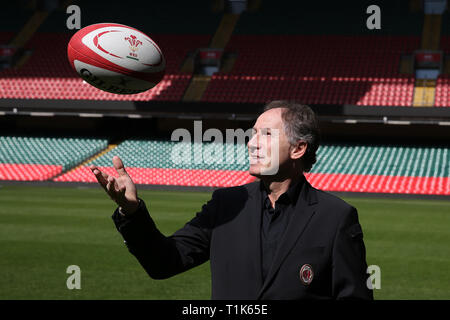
{"x":45,"y":230}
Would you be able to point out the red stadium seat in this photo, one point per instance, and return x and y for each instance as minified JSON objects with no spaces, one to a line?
{"x":48,"y":75}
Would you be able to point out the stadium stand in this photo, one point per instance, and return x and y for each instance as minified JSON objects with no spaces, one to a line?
{"x":442,"y":98}
{"x":340,"y":167}
{"x":319,"y":54}
{"x":151,"y":162}
{"x":317,"y":70}
{"x":40,"y":158}
{"x":385,"y":169}
{"x":280,"y":49}
{"x":347,"y":66}
{"x":48,"y":75}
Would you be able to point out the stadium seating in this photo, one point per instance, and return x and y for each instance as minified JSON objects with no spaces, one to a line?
{"x":340,"y":167}
{"x":442,"y":95}
{"x":386,"y":169}
{"x":180,"y":155}
{"x":319,"y":54}
{"x":296,"y":56}
{"x":162,"y":162}
{"x":348,"y":66}
{"x":31,"y":158}
{"x":358,"y":70}
{"x":358,"y":168}
{"x":48,"y":75}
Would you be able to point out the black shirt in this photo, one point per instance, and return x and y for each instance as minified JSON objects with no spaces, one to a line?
{"x":275,"y":221}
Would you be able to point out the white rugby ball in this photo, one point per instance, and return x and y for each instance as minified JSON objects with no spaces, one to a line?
{"x":116,"y":58}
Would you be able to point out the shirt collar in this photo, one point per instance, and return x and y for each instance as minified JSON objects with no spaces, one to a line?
{"x":291,"y":195}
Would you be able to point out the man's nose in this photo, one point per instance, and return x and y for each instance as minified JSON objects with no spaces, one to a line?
{"x":252,"y":143}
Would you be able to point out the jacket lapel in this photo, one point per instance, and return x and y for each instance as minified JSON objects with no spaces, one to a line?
{"x":254,"y":208}
{"x":304,"y":210}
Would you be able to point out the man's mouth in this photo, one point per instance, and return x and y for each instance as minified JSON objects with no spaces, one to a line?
{"x":256,"y":158}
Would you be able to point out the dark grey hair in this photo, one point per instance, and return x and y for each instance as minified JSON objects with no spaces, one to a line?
{"x":300,"y":123}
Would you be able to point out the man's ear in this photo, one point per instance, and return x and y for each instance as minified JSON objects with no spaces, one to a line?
{"x":298,"y":150}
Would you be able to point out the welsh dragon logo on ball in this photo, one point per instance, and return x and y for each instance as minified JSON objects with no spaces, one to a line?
{"x":134,"y":46}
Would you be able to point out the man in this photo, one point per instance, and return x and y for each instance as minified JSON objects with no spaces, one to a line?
{"x":277,"y":238}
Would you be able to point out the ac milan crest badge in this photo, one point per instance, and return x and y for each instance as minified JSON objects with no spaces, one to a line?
{"x":306,"y":274}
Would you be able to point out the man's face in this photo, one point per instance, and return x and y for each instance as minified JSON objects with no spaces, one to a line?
{"x":269,"y":147}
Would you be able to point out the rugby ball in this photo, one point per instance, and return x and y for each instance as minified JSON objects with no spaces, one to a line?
{"x":116,"y":58}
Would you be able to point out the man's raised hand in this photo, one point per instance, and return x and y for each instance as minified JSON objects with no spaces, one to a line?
{"x":121,"y":189}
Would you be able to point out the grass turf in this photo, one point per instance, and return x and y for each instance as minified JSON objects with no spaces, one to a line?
{"x":43,"y":230}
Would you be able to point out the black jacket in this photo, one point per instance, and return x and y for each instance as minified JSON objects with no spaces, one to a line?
{"x":324,"y":234}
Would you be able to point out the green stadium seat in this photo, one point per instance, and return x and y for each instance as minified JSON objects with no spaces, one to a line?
{"x":30,"y":153}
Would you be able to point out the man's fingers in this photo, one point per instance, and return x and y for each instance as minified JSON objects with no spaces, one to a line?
{"x":115,"y":188}
{"x":122,"y":190}
{"x":118,"y":165}
{"x":111,"y":187}
{"x":102,"y":177}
